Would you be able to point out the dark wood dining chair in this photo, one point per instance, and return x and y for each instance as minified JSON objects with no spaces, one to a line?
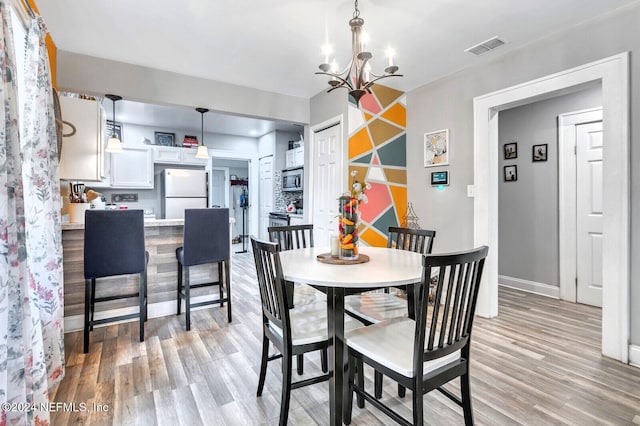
{"x":113,"y":245}
{"x":427,"y":353}
{"x":292,"y":332}
{"x":291,"y":237}
{"x":206,"y":241}
{"x":374,"y":307}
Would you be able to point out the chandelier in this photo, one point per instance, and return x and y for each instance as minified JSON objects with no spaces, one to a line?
{"x":357,"y":77}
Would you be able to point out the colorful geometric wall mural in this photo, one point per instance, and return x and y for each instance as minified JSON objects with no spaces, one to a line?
{"x":378,"y":152}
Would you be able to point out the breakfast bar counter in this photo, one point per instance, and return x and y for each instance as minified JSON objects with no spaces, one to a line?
{"x":162,"y":237}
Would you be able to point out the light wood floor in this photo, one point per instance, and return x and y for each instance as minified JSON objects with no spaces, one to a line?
{"x":537,"y":363}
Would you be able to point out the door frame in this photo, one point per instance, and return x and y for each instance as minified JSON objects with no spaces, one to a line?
{"x":567,"y":190}
{"x":252,"y":159}
{"x":613,"y":73}
{"x":227,"y":184}
{"x":310,"y":179}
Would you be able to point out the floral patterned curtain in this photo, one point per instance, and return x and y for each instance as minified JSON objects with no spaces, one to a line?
{"x":31,"y":279}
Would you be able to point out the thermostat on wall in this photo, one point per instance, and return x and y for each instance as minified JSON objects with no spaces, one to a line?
{"x":439,"y":178}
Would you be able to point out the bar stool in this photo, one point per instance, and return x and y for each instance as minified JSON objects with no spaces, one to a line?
{"x":206,"y":241}
{"x":113,"y":245}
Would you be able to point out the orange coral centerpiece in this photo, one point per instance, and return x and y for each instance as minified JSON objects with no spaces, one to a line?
{"x":349,"y":219}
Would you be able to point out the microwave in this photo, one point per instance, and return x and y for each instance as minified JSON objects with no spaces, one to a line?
{"x":293,"y":179}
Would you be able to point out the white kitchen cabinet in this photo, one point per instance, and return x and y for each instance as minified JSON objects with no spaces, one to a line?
{"x":294,"y":158}
{"x":189,"y":157}
{"x":177,"y":155}
{"x":298,"y":157}
{"x":132,"y":168}
{"x":167,"y":155}
{"x":82,"y":155}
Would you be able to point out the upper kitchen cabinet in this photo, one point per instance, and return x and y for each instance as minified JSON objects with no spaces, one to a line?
{"x":176,"y":155}
{"x":294,"y":158}
{"x":132,"y":168}
{"x":82,"y":156}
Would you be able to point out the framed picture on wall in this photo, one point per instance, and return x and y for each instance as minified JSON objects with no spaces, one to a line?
{"x":165,"y":139}
{"x":510,"y":150}
{"x":436,"y":148}
{"x":539,"y":152}
{"x":510,"y":173}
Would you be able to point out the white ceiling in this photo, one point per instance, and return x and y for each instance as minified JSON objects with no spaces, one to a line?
{"x":276,"y":45}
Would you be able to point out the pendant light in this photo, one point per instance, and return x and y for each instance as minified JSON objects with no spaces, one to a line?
{"x":114,"y":144}
{"x":202,"y":148}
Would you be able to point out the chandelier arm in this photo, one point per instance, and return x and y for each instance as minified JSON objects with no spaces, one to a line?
{"x":369,"y":84}
{"x":344,"y":81}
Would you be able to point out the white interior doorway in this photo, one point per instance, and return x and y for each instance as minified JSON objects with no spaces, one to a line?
{"x":580,"y":139}
{"x":244,"y":168}
{"x":613,"y":73}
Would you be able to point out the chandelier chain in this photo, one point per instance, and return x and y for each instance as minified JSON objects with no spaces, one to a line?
{"x":356,"y":12}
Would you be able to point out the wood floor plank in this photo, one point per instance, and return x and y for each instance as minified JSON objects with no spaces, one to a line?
{"x":538,"y":362}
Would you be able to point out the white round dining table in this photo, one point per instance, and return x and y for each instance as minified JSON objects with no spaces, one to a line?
{"x":386,"y":268}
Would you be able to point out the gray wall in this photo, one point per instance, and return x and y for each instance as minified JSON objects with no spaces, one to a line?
{"x":90,"y":75}
{"x":528,"y":207}
{"x":448,"y":103}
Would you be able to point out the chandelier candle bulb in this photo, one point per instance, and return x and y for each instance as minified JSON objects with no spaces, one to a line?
{"x":357,"y":77}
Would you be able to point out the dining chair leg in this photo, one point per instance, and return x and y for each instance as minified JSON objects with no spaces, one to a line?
{"x":377,"y":384}
{"x":348,"y":403}
{"x":465,"y":389}
{"x":324,"y":360}
{"x":286,"y":387}
{"x":87,"y":308}
{"x":263,"y":364}
{"x":187,"y":299}
{"x":402,"y":391}
{"x":227,"y":271}
{"x":360,"y":382}
{"x":300,"y":363}
{"x":141,"y":291}
{"x":179,"y":288}
{"x":417,"y":405}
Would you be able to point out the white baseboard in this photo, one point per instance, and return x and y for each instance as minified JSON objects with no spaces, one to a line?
{"x":161,"y":309}
{"x":529,"y":286}
{"x":634,"y":355}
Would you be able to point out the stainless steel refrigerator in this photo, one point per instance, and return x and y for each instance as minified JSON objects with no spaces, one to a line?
{"x":183,"y":189}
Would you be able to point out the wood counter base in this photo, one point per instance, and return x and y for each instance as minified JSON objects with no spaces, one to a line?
{"x":162,"y":237}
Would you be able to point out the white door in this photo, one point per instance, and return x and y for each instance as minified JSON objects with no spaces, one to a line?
{"x":327,"y":182}
{"x":266,"y":195}
{"x":589,"y":213}
{"x":219,"y":187}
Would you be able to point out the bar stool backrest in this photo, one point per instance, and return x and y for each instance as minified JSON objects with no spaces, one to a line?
{"x":113,"y":243}
{"x":206,"y":236}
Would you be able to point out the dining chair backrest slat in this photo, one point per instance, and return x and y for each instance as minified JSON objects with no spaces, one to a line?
{"x":272,"y":294}
{"x":292,"y":236}
{"x":445,"y":324}
{"x":417,"y":240}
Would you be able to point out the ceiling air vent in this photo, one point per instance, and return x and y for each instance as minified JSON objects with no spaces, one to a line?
{"x":485,"y":46}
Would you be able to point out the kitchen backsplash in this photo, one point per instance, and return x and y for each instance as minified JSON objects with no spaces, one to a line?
{"x":282,"y":198}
